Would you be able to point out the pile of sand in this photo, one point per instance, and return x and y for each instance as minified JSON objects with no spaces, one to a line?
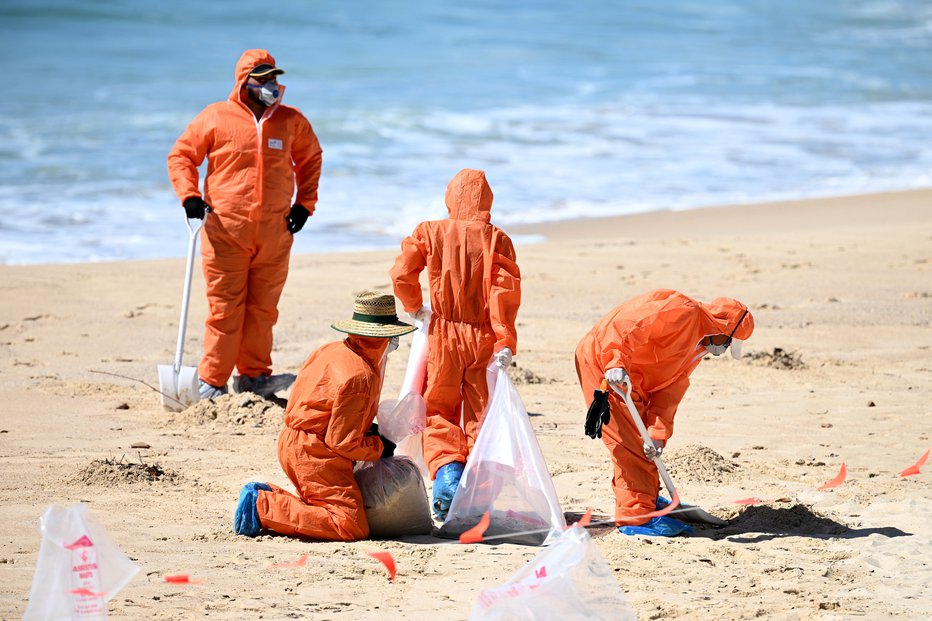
{"x":111,"y":471}
{"x":795,"y":520}
{"x":697,"y":464}
{"x":777,"y":359}
{"x":243,"y":410}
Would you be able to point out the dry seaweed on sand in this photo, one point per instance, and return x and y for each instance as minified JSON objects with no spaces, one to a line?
{"x":779,"y":358}
{"x":112,"y":471}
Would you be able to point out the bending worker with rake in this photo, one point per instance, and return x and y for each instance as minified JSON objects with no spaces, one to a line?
{"x":653,"y":343}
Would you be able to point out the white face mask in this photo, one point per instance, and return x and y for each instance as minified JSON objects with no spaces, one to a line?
{"x":716,"y":350}
{"x":268,"y":92}
{"x":392,"y":344}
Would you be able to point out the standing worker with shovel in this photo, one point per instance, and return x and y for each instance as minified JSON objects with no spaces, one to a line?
{"x":651,"y":343}
{"x":259,"y":151}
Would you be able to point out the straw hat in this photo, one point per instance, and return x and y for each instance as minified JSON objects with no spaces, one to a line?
{"x":374,"y":315}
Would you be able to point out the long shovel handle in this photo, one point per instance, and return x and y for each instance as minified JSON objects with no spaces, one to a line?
{"x":186,"y":296}
{"x":636,"y":417}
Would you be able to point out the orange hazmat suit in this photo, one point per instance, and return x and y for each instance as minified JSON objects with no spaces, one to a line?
{"x":475,"y":291}
{"x":253,"y":170}
{"x":332,"y":405}
{"x":657,"y":338}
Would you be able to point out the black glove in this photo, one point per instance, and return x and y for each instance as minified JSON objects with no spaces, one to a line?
{"x":296,"y":218}
{"x":388,"y":447}
{"x":599,"y":413}
{"x":195,"y":207}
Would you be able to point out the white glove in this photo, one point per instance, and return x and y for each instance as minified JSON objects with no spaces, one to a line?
{"x":503,"y":357}
{"x":617,"y":377}
{"x":419,"y":314}
{"x":392,"y":344}
{"x":653,"y":449}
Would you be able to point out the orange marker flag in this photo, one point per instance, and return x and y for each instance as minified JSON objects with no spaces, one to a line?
{"x":749,"y":501}
{"x":474,"y":534}
{"x":301,"y":562}
{"x":836,"y":481}
{"x":386,"y":559}
{"x":584,"y":520}
{"x":915,"y":468}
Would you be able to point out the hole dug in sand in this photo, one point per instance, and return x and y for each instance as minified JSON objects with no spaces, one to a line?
{"x":242,"y":410}
{"x":697,"y":464}
{"x":114,"y":472}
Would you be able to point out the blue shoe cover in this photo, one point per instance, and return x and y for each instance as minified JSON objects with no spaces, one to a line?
{"x":662,"y":526}
{"x":445,"y":484}
{"x":661,"y":503}
{"x":246,"y":519}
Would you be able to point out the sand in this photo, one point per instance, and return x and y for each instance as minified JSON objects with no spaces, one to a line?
{"x":839,"y":370}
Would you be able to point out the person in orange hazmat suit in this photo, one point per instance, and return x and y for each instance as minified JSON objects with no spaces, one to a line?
{"x":475,"y":291}
{"x":652,"y":342}
{"x":328,"y":427}
{"x":260,"y":154}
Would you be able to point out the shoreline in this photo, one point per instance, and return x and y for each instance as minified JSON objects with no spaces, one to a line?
{"x":653,"y":223}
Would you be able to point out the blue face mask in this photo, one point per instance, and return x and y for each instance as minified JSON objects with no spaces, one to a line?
{"x":267,"y":93}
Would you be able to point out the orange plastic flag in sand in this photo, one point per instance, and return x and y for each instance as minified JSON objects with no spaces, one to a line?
{"x":837,"y":480}
{"x":182,"y":579}
{"x":584,"y":520}
{"x":916,"y":467}
{"x":750,"y":501}
{"x":474,"y":534}
{"x":386,"y":559}
{"x":301,"y":562}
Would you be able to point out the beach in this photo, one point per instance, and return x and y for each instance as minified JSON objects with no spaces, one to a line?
{"x":838,"y":371}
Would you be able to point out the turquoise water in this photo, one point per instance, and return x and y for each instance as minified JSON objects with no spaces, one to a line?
{"x":573,"y":109}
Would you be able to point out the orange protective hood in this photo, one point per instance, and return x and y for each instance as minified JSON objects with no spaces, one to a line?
{"x":245,"y":64}
{"x":469,"y":196}
{"x":725,"y":314}
{"x":370,"y":348}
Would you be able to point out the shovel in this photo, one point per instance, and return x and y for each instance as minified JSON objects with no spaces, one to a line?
{"x":688,"y":512}
{"x":178,"y":384}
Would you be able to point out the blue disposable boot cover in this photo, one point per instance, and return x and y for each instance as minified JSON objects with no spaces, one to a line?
{"x":448,"y":479}
{"x":246,"y":519}
{"x":662,"y":526}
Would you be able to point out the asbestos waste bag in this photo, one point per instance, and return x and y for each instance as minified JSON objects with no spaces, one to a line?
{"x":570,"y":581}
{"x":506,"y":476}
{"x":411,"y":404}
{"x":79,"y":568}
{"x":394,"y":497}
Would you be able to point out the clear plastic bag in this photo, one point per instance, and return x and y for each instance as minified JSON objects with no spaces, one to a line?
{"x":506,"y":476}
{"x":79,"y":568}
{"x":570,"y":581}
{"x":394,"y":498}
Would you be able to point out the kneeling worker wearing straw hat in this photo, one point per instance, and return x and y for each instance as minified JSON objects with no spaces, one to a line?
{"x":327,"y":429}
{"x":652,"y":342}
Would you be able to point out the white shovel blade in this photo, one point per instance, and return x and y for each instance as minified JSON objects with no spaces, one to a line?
{"x":176,"y":396}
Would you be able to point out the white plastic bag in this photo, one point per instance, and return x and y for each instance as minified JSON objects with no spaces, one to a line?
{"x":412,"y":391}
{"x":394,"y":498}
{"x":79,"y":568}
{"x":506,"y":476}
{"x":400,"y":419}
{"x":570,"y":581}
